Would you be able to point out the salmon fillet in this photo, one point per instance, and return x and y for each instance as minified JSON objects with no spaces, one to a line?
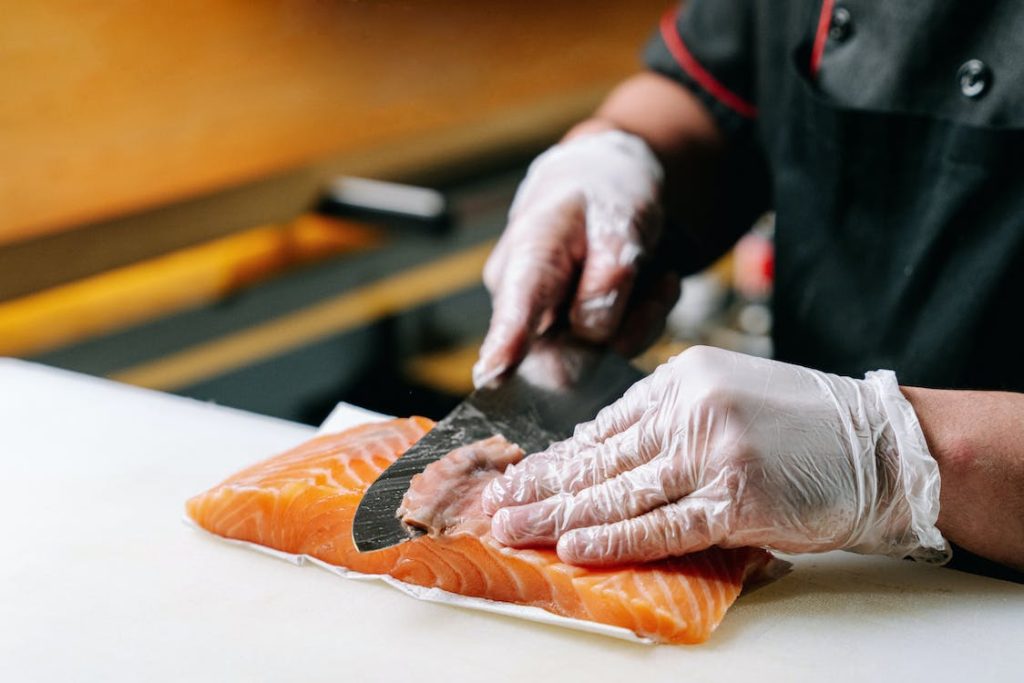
{"x":303,"y":501}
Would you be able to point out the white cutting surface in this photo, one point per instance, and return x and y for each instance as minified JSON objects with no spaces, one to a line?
{"x":100,"y":580}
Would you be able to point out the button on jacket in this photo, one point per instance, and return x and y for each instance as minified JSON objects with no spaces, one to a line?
{"x":889,"y":139}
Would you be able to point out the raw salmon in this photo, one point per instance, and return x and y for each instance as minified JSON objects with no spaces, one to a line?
{"x":446,"y":498}
{"x":303,"y":501}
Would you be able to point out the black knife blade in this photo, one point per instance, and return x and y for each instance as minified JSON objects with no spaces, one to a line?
{"x":555,"y":388}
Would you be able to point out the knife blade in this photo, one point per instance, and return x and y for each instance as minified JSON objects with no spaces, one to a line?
{"x":557,"y":386}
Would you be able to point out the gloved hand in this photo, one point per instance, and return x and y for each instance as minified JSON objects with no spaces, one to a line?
{"x":719,"y":448}
{"x":588,"y":207}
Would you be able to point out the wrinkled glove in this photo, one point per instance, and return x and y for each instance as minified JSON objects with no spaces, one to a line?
{"x":719,"y":448}
{"x":588,"y":208}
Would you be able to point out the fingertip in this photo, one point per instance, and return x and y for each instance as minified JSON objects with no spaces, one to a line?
{"x":512,"y":527}
{"x":567,"y":549}
{"x":501,"y":350}
{"x":499,"y":527}
{"x":525,"y":526}
{"x":495,"y":495}
{"x":488,"y":373}
{"x":580,"y":547}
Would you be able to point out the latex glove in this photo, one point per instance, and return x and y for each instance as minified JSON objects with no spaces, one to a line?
{"x":588,"y":207}
{"x":719,"y":448}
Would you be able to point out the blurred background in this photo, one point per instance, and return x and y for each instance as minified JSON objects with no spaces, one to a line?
{"x":184,"y":205}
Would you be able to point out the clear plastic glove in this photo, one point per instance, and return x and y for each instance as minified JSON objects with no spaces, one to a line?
{"x":719,"y":448}
{"x":588,"y":208}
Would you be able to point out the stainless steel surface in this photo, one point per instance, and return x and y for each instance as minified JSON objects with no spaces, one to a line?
{"x":554,"y":389}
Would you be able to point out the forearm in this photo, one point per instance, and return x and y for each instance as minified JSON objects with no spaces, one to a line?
{"x":668,"y":116}
{"x":977,"y":438}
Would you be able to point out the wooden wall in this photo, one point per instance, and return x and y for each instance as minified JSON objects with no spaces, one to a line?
{"x":112,"y":107}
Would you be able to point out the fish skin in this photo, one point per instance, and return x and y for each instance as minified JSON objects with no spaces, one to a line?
{"x":303,"y":502}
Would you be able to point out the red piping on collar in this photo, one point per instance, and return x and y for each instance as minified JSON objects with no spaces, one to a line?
{"x":686,"y":60}
{"x":824,"y":21}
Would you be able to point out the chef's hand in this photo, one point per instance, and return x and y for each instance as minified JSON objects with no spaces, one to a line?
{"x":719,"y":448}
{"x":588,"y":208}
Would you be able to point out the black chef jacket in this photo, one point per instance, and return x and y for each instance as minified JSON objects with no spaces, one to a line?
{"x":889,"y":139}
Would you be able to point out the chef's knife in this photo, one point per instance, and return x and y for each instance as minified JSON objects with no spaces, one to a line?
{"x":556,"y":387}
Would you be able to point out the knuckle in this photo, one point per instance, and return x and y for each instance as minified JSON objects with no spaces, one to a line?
{"x":703,"y":372}
{"x":714,"y":398}
{"x":616,"y":250}
{"x":540,"y":258}
{"x":492,"y":274}
{"x":606,"y":275}
{"x":556,"y":212}
{"x":693,"y":525}
{"x":703,"y":357}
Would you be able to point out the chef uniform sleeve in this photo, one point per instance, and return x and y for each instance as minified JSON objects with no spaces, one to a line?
{"x":708,"y":46}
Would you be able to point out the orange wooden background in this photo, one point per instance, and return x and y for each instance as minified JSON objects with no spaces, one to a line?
{"x":113,"y":106}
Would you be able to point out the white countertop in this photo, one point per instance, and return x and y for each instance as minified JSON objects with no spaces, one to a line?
{"x":101,"y":580}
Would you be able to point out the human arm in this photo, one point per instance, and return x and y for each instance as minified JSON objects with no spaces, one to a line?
{"x":719,"y":448}
{"x":593,"y":208}
{"x":666,"y":210}
{"x":977,"y":439}
{"x":673,"y":122}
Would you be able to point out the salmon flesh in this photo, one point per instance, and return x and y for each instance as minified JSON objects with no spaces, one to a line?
{"x":303,"y":501}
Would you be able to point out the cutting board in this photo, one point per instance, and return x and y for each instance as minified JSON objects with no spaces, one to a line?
{"x":101,"y":580}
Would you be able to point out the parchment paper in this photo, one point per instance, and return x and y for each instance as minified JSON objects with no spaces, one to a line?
{"x":344,"y":416}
